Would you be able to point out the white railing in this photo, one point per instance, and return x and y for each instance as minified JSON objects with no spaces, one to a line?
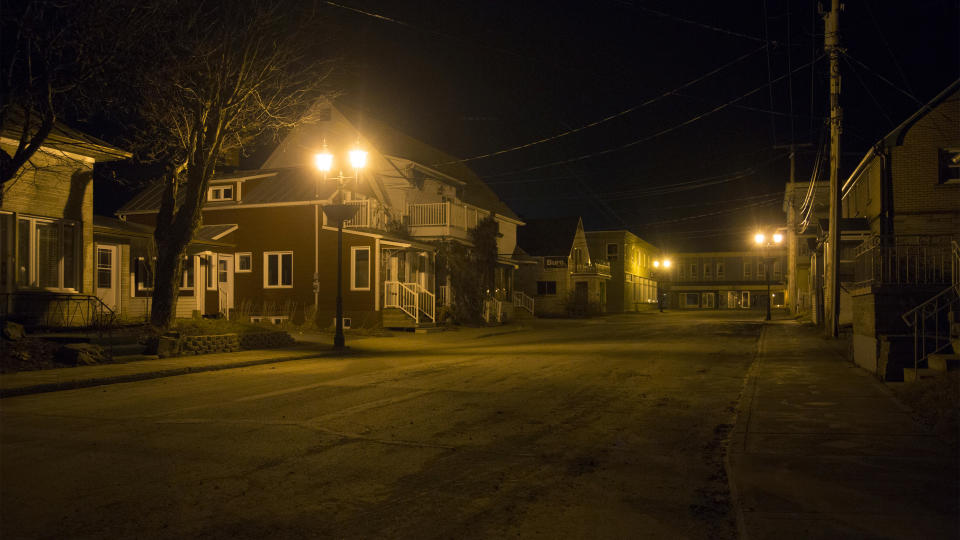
{"x":593,"y":268}
{"x":410,"y":298}
{"x":523,"y":301}
{"x":444,"y":214}
{"x":444,"y":295}
{"x":492,"y":310}
{"x":430,"y":214}
{"x":368,"y":215}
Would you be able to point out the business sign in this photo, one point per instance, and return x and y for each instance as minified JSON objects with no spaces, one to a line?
{"x":554,"y":262}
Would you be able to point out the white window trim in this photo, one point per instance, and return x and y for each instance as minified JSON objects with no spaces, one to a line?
{"x":266,"y":266}
{"x":616,"y":251}
{"x":188,"y":265}
{"x":210,"y":275}
{"x":353,"y":264}
{"x":34,"y":270}
{"x":215,"y":193}
{"x":236,"y":262}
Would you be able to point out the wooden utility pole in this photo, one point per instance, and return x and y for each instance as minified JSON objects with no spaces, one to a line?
{"x":831,"y":45}
{"x":792,"y":287}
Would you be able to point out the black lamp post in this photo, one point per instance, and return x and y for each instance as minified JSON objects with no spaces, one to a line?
{"x":765,"y":244}
{"x":660,"y":266}
{"x":339,"y":213}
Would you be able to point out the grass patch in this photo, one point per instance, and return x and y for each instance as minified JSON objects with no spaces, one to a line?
{"x":937,"y":402}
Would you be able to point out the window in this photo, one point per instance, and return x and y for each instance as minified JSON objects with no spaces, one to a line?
{"x":546,"y":288}
{"x":360,"y":268}
{"x":691,"y":300}
{"x":776,"y":270}
{"x":47,"y":256}
{"x":186,"y":280}
{"x":707,"y":271}
{"x":223,"y":270}
{"x":104,"y":268}
{"x":278,"y":269}
{"x":143,"y":274}
{"x":680,"y":270}
{"x":761,"y":270}
{"x":244,"y":263}
{"x":708,"y":300}
{"x":747,"y":265}
{"x":693,"y":270}
{"x":721,"y":271}
{"x":220,"y":193}
{"x":612,"y":251}
{"x":950,"y":165}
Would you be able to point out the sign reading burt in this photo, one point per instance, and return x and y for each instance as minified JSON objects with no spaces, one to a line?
{"x":554,"y":262}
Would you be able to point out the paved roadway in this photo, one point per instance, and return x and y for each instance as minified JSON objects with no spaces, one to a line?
{"x":601,"y":428}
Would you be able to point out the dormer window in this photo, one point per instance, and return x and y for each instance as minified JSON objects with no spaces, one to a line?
{"x":220,"y":193}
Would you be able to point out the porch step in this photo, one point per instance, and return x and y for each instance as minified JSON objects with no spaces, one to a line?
{"x":943,"y":362}
{"x":911,"y":375}
{"x":395,"y":318}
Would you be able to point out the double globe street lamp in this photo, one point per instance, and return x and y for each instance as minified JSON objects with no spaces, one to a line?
{"x":337,"y":212}
{"x":766,"y":245}
{"x":659,"y":267}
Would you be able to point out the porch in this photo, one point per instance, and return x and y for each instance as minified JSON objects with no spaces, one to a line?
{"x":450,"y":219}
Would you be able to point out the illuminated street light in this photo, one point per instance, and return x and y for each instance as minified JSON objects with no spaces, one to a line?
{"x":658,"y":273}
{"x":338,"y":213}
{"x":761,"y":240}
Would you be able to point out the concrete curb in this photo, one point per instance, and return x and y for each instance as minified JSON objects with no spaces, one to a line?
{"x":147,"y":375}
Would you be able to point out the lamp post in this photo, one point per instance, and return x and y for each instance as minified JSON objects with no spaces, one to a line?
{"x":660,"y":266}
{"x":765,"y":244}
{"x":338,"y":213}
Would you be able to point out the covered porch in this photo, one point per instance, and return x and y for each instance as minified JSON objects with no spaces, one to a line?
{"x":408,"y":282}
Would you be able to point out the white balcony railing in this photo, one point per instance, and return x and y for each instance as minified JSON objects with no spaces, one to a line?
{"x":368,"y":216}
{"x":444,"y":214}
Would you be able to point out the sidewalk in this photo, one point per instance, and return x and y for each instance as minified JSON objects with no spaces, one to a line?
{"x":823,"y":450}
{"x":51,"y":380}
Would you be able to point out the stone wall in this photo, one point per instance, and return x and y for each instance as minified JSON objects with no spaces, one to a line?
{"x":220,"y":343}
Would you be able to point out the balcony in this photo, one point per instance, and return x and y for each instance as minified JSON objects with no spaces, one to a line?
{"x":443,"y":219}
{"x":370,"y":215}
{"x":600,"y":269}
{"x":903,"y":261}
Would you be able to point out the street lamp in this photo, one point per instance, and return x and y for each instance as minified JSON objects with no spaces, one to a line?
{"x":660,"y":266}
{"x":339,"y":213}
{"x":765,"y":244}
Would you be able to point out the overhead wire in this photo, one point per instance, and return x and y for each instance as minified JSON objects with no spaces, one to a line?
{"x":652,"y":136}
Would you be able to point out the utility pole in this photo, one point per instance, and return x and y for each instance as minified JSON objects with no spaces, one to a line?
{"x":831,"y":45}
{"x":792,"y":287}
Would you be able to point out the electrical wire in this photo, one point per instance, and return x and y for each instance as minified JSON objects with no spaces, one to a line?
{"x":696,"y":23}
{"x":652,"y":136}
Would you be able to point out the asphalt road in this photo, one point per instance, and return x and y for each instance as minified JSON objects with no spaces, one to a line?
{"x":600,"y":428}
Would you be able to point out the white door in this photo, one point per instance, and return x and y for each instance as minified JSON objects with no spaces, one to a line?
{"x":107,"y":275}
{"x":225,"y":282}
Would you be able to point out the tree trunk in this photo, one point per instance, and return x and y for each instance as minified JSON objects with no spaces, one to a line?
{"x":166,"y":285}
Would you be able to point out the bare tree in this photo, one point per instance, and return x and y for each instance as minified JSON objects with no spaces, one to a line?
{"x":57,"y":58}
{"x":224,"y":74}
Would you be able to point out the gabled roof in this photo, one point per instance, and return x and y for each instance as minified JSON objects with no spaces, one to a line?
{"x":548,"y":237}
{"x":205,"y":235}
{"x":290,"y":185}
{"x":66,"y":139}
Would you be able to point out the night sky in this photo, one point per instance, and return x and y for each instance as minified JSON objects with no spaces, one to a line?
{"x":689,"y":99}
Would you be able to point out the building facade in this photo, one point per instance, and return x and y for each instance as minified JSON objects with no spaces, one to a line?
{"x":728,"y":279}
{"x":632,"y":285}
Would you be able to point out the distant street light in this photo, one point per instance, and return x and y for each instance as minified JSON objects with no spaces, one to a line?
{"x":765,"y":246}
{"x":659,"y":267}
{"x":339,"y":213}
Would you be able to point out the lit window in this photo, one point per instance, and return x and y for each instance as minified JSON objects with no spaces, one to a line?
{"x":244,"y":262}
{"x":950,"y":165}
{"x":47,"y":256}
{"x":278,"y":266}
{"x":360,"y":268}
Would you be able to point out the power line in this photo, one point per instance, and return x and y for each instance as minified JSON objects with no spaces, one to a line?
{"x":610,"y":117}
{"x":711,"y":214}
{"x":696,"y":23}
{"x":654,"y":135}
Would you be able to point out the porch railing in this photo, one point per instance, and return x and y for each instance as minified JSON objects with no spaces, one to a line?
{"x":903,"y":260}
{"x":492,"y":310}
{"x":411,"y":298}
{"x":368,"y":215}
{"x":592,"y":268}
{"x":57,"y":310}
{"x":444,"y":295}
{"x":523,"y":301}
{"x":929,"y":320}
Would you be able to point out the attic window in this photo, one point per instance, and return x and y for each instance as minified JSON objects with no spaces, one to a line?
{"x":220,"y":193}
{"x":950,"y":165}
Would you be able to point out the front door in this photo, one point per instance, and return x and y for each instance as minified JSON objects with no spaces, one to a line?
{"x":225,"y":282}
{"x":107,"y":275}
{"x":580,"y":296}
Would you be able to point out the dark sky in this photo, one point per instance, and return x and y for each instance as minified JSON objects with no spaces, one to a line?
{"x":478,"y":77}
{"x":661,"y":116}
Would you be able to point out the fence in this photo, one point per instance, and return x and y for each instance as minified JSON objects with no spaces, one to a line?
{"x":903,"y":260}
